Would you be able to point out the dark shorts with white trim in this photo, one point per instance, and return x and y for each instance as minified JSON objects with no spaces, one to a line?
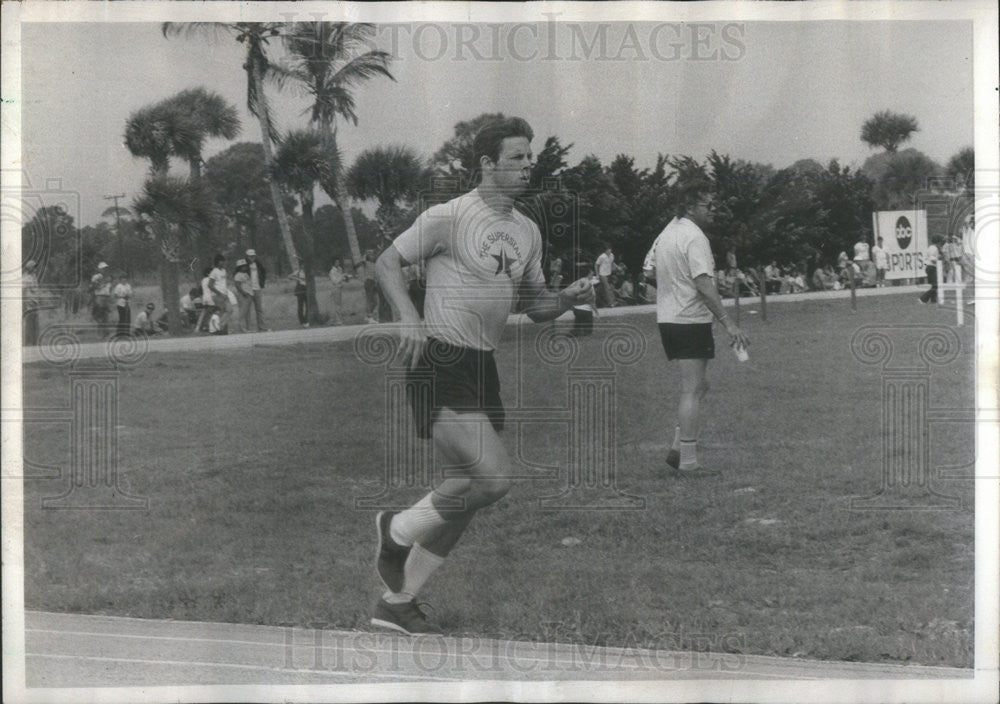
{"x":462,"y":379}
{"x":687,"y":340}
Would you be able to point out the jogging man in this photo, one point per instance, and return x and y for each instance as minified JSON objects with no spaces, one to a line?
{"x":686,"y":300}
{"x":480,"y":256}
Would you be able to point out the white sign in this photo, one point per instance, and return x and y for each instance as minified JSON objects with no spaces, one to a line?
{"x":904,"y":238}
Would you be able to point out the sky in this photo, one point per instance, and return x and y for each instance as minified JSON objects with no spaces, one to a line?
{"x":773,"y":92}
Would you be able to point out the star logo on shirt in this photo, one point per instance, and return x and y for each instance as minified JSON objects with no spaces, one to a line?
{"x":503,"y":263}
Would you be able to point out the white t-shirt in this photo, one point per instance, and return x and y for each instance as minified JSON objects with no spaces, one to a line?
{"x":219,"y":277}
{"x":122,"y":292}
{"x":206,"y":293}
{"x":142,"y":321}
{"x":186,"y":303}
{"x":880,"y":257}
{"x":679,"y":255}
{"x":932,"y":255}
{"x":605,"y":264}
{"x":102,"y":287}
{"x":861,"y":252}
{"x":475,"y":259}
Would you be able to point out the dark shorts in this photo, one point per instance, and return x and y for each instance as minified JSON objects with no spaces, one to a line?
{"x":687,"y":340}
{"x":458,"y":378}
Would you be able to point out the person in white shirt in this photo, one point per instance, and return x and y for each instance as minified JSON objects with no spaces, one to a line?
{"x":682,"y":264}
{"x":930,"y":266}
{"x":243,"y":289}
{"x":881,"y":259}
{"x":482,"y":256}
{"x":122,"y":293}
{"x":220,"y":290}
{"x":861,"y":251}
{"x":605,"y":266}
{"x":100,"y":290}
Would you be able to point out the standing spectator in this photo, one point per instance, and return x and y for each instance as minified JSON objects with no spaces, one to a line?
{"x":861,"y":253}
{"x":122,"y":293}
{"x":244,"y":293}
{"x":951,"y":255}
{"x":207,"y":300}
{"x":367,"y":264}
{"x":687,"y":300}
{"x":144,"y":324}
{"x":301,"y":300}
{"x":881,"y":259}
{"x":100,"y":291}
{"x":337,"y":278}
{"x":220,"y":290}
{"x":605,"y":265}
{"x":31,"y":302}
{"x":257,"y":276}
{"x":555,"y":273}
{"x":933,"y":254}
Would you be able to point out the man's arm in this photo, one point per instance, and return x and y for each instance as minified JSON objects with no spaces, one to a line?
{"x":425,"y":238}
{"x":706,"y":287}
{"x":542,"y":304}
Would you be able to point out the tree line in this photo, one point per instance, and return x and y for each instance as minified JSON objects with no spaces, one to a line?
{"x":262,"y":194}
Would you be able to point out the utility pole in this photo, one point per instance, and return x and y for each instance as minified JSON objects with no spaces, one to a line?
{"x":118,"y":229}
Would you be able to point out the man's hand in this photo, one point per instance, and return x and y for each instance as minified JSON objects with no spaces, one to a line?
{"x":737,"y":338}
{"x":578,"y":293}
{"x":412,"y":339}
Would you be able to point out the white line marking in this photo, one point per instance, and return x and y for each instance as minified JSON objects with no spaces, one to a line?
{"x":266,"y":668}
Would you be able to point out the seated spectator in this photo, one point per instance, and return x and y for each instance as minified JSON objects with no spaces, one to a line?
{"x":626,"y":292}
{"x":144,"y":324}
{"x":772,"y":277}
{"x":190,"y":303}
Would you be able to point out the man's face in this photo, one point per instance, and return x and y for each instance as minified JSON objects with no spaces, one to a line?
{"x":699,"y":212}
{"x":512,"y":171}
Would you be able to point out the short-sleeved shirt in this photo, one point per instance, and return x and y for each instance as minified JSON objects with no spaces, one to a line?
{"x":218,"y":275}
{"x":861,"y":252}
{"x":101,"y":285}
{"x":206,"y":293}
{"x":679,"y":255}
{"x":122,"y":292}
{"x":880,"y":257}
{"x":243,"y":283}
{"x":475,"y":259}
{"x":604,"y":264}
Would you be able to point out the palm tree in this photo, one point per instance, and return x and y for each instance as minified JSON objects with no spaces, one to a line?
{"x":392,"y":176}
{"x":328,"y":60}
{"x":211,"y":116}
{"x":888,"y":130}
{"x":175,"y":212}
{"x":256,"y":37}
{"x":157,"y":132}
{"x":305,"y":159}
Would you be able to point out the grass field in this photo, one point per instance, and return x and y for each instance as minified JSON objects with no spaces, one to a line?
{"x":252,"y":461}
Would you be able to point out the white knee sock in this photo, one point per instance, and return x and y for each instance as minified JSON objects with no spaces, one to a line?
{"x":689,"y":454}
{"x":676,"y":444}
{"x":409,"y":526}
{"x":420,"y":565}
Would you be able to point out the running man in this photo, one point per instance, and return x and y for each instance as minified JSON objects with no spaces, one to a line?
{"x":681,"y":261}
{"x":480,"y":256}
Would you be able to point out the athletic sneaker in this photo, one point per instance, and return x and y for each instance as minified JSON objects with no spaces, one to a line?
{"x":673,"y":458}
{"x":697,"y":472}
{"x":406,"y":618}
{"x":391,"y":555}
